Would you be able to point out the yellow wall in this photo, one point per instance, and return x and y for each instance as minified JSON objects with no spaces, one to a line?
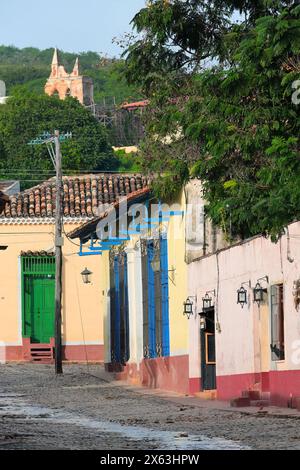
{"x":178,"y":290}
{"x":83,"y":304}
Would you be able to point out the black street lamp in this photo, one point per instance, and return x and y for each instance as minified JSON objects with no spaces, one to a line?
{"x":242,"y":296}
{"x":188,"y":308}
{"x":259,"y":291}
{"x":207,"y":301}
{"x":86,"y":276}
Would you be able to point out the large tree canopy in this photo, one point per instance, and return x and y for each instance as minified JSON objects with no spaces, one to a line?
{"x":25,"y":117}
{"x":232,"y":122}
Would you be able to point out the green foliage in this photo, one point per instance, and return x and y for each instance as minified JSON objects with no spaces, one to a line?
{"x":26,"y":116}
{"x":127,"y":162}
{"x":31,"y":67}
{"x":232,"y":124}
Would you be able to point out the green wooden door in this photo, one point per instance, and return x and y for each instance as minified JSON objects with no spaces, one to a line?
{"x":38,"y":299}
{"x":42,"y":312}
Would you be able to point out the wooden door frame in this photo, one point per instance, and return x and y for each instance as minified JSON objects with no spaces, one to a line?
{"x":204,"y":352}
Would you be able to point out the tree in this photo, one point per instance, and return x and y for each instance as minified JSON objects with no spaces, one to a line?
{"x":233,"y":123}
{"x":25,"y":117}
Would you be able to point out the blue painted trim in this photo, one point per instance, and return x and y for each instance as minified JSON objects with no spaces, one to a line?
{"x":164,"y":277}
{"x":173,"y":213}
{"x":151,"y":302}
{"x":91,"y":254}
{"x":127,"y":331}
{"x":157,"y":219}
{"x":117,"y":311}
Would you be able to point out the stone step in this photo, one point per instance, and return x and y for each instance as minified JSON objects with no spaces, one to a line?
{"x":251,"y":394}
{"x":260,"y":403}
{"x":121,"y":375}
{"x":207,"y":395}
{"x":266,"y":396}
{"x":240,"y":402}
{"x":43,"y":354}
{"x":296,"y":402}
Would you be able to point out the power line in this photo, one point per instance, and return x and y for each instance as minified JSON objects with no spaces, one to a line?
{"x":88,"y":172}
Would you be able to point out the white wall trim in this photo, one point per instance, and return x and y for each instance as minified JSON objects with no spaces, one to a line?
{"x":42,"y":220}
{"x":20,"y":313}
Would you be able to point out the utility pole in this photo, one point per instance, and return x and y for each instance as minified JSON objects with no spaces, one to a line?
{"x":55,"y":155}
{"x":58,"y":256}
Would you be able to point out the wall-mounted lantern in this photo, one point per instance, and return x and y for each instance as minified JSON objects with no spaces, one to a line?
{"x":86,"y":274}
{"x":155,"y":263}
{"x":188,"y":309}
{"x":259,"y":291}
{"x":202,"y":322}
{"x":242,"y":294}
{"x":207,"y":300}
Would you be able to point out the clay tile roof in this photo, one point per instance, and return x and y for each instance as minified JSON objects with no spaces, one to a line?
{"x":37,"y":253}
{"x":82,"y":196}
{"x":90,"y":226}
{"x":135,"y":105}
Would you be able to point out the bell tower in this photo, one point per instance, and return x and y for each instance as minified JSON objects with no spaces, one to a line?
{"x":72,"y":84}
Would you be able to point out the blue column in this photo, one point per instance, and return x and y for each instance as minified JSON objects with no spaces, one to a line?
{"x":164,"y":277}
{"x":117,"y":312}
{"x":151,"y":302}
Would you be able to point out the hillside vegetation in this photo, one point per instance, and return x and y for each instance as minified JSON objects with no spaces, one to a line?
{"x":30,"y":68}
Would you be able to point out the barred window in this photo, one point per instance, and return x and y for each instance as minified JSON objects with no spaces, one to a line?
{"x":277,"y":323}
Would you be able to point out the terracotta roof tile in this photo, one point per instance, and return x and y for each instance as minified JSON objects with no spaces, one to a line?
{"x":82,"y":196}
{"x":90,"y":226}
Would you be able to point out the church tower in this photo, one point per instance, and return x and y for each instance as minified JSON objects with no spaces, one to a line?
{"x":63,"y":84}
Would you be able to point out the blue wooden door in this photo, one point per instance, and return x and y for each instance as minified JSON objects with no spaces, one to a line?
{"x":164,"y":276}
{"x":119,"y":311}
{"x":156,"y":304}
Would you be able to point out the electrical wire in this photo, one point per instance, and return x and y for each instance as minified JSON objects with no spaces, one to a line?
{"x":42,"y":172}
{"x":81,"y":321}
{"x":67,"y":236}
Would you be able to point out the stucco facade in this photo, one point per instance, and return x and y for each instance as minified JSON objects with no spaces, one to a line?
{"x":243,"y":355}
{"x":83,"y":304}
{"x":169,"y":372}
{"x":27,"y":269}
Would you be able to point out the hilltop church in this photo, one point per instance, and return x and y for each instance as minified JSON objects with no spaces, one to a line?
{"x":63,"y":84}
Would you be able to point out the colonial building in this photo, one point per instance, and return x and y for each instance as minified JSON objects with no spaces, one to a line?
{"x":27,"y":269}
{"x":145,"y":332}
{"x":188,"y":311}
{"x":73,"y":84}
{"x":244,"y":335}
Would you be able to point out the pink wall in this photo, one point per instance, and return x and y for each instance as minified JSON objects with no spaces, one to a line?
{"x":242,"y":346}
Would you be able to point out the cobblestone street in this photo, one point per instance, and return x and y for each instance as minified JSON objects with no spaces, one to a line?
{"x":87,"y":412}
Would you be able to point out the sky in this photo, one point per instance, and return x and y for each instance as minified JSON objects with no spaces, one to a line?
{"x":70,"y":25}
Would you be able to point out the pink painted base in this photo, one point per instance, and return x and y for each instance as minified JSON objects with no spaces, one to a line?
{"x":195,"y":385}
{"x":81,"y":353}
{"x":231,"y":386}
{"x":165,"y":373}
{"x":72,"y":353}
{"x":284,"y":386}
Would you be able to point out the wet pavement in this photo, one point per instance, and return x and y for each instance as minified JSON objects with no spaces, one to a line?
{"x":81,"y":410}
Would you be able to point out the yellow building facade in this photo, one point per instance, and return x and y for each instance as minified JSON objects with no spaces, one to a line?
{"x":27,"y":273}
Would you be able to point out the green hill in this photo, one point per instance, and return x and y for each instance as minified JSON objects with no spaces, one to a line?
{"x":30,"y":67}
